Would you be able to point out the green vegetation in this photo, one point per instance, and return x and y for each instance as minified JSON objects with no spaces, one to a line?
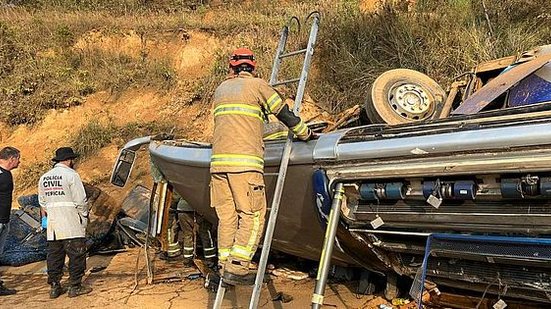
{"x":30,"y":174}
{"x":439,"y":38}
{"x":95,"y":135}
{"x":43,"y":69}
{"x":44,"y":63}
{"x":88,"y":140}
{"x":47,"y":63}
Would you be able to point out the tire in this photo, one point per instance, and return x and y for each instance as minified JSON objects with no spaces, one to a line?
{"x":403,"y":96}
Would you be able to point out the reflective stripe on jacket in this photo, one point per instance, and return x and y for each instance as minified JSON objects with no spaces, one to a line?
{"x":62,"y":195}
{"x":241,"y":104}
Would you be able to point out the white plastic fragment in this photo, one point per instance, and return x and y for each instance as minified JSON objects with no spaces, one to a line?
{"x":434,"y":201}
{"x":501,"y":304}
{"x":377,"y":222}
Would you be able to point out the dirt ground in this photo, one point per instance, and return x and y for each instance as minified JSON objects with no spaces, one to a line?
{"x":114,"y":288}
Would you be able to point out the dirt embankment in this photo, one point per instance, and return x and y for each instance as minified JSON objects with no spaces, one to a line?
{"x":189,"y":53}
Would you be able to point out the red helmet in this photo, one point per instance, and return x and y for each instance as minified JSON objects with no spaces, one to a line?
{"x":242,"y":56}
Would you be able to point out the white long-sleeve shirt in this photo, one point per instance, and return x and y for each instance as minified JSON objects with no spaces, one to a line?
{"x":62,"y":195}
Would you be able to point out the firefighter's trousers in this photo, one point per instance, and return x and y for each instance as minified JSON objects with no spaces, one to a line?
{"x":76,"y":250}
{"x":187,"y":224}
{"x":189,"y":221}
{"x":240,"y":203}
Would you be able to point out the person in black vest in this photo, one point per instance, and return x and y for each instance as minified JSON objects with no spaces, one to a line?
{"x":9,"y":160}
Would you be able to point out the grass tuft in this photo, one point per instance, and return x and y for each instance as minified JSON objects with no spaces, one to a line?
{"x":439,"y":38}
{"x":30,"y":174}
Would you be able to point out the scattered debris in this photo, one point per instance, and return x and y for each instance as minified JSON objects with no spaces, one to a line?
{"x":96,"y":269}
{"x":400,"y":301}
{"x":289,"y":274}
{"x":283,"y":297}
{"x":350,"y":115}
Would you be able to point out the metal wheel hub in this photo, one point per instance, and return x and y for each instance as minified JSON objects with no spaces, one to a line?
{"x":410,"y":101}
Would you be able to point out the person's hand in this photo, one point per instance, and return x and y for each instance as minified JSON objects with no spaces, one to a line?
{"x":44,"y":222}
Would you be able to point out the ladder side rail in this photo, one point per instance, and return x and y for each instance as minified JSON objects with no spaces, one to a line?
{"x":270,"y":227}
{"x":282,"y":173}
{"x":280,"y":50}
{"x":219,"y":295}
{"x":306,"y":66}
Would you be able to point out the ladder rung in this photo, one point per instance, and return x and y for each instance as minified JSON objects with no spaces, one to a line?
{"x":271,"y":174}
{"x":298,"y":52}
{"x":294,"y":80}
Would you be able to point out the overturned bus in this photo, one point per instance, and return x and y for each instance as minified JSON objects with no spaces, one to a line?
{"x":473,"y":161}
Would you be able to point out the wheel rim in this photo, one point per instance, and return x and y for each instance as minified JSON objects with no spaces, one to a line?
{"x":410,"y":101}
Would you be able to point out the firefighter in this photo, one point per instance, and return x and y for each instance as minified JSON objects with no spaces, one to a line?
{"x":192,"y":224}
{"x":63,"y":201}
{"x":241,"y":104}
{"x":184,"y":219}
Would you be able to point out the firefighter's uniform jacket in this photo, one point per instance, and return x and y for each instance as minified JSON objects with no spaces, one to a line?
{"x":241,"y":104}
{"x":62,"y":195}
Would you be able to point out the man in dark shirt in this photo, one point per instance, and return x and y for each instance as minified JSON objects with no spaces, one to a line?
{"x":9,"y":160}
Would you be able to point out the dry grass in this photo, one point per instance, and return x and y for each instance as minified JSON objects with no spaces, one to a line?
{"x":95,"y":135}
{"x":40,"y":69}
{"x":439,"y":38}
{"x":30,"y":174}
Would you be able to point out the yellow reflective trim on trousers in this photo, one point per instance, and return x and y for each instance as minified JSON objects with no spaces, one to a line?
{"x":300,"y":128}
{"x":276,"y":135}
{"x":238,"y":109}
{"x":241,"y":252}
{"x":223,"y":254}
{"x":246,"y":253}
{"x":236,"y":160}
{"x":254,"y":231}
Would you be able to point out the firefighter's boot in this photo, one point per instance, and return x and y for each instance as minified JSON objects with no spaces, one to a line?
{"x":237,"y":273}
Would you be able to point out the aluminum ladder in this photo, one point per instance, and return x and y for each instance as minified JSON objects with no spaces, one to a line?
{"x":270,"y":227}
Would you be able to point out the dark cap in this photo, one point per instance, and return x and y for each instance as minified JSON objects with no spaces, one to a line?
{"x":64,"y":153}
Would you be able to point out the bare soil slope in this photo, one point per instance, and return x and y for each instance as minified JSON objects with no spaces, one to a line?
{"x":189,"y":53}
